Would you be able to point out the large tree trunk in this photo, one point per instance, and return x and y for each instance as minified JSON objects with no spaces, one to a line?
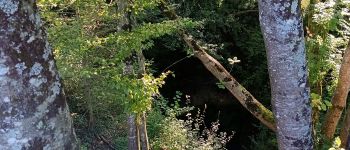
{"x":243,"y":96}
{"x":282,"y":28}
{"x":341,"y":95}
{"x":339,"y":98}
{"x":34,"y":112}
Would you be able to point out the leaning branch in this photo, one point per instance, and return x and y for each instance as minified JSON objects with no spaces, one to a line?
{"x":243,"y":96}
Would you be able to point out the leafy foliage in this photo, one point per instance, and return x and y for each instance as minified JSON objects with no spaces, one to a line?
{"x":325,"y":41}
{"x":318,"y":103}
{"x":139,"y":93}
{"x":139,"y":38}
{"x":90,"y":58}
{"x":91,"y":48}
{"x":172,"y":133}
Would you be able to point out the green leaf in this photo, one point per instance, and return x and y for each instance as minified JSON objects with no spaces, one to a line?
{"x":328,"y":103}
{"x":323,"y":107}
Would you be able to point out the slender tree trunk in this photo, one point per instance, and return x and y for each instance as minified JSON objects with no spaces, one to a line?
{"x":133,"y":136}
{"x":243,"y":96}
{"x":125,"y":23}
{"x":143,"y":123}
{"x":133,"y":141}
{"x":339,"y":99}
{"x":138,"y":137}
{"x":282,"y":28}
{"x":143,"y":133}
{"x":34,"y":112}
{"x":140,"y":119}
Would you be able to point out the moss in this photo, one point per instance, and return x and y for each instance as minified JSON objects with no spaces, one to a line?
{"x":267,"y":114}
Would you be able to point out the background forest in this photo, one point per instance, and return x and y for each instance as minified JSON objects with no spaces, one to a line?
{"x":126,"y":65}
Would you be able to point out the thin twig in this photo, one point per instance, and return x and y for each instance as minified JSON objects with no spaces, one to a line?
{"x":176,"y":62}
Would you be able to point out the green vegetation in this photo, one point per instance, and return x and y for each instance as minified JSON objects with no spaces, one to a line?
{"x":169,"y":132}
{"x":93,"y":40}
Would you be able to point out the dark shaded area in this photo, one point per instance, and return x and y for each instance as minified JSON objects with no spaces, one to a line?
{"x":193,"y":79}
{"x":234,"y":32}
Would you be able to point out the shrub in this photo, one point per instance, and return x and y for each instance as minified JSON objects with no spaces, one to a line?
{"x":166,"y":131}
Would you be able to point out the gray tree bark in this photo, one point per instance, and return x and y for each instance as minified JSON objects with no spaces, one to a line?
{"x":133,"y":136}
{"x":281,"y":24}
{"x":34,"y":112}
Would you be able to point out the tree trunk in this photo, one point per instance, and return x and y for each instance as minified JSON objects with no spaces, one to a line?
{"x":282,"y":27}
{"x":143,"y":133}
{"x":340,"y":97}
{"x":133,"y":138}
{"x":344,"y":132}
{"x":125,"y":23}
{"x":34,"y":112}
{"x":143,"y":123}
{"x":243,"y":96}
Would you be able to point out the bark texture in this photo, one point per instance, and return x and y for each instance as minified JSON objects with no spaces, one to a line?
{"x":344,"y":132}
{"x":143,"y":133}
{"x":282,"y":28}
{"x":339,"y":98}
{"x":243,"y":96}
{"x":133,"y":137}
{"x":34,"y":112}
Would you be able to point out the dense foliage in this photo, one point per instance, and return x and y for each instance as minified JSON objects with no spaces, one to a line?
{"x":91,"y":49}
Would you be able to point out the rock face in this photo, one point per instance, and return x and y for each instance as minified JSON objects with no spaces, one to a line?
{"x":34,"y":112}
